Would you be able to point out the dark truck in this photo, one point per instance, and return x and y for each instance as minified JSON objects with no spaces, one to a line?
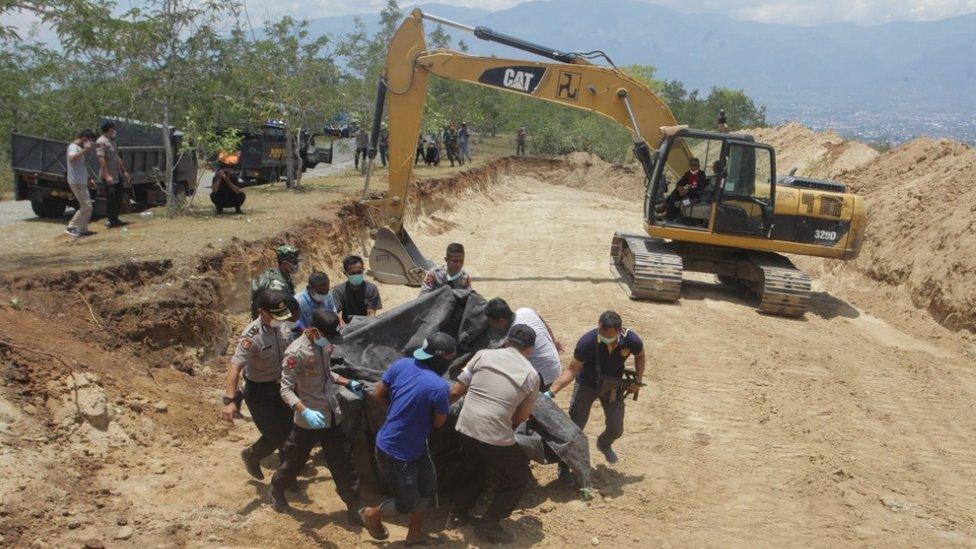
{"x":263,"y":149}
{"x":39,"y":166}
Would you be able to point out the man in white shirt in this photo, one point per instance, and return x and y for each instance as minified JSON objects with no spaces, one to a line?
{"x":545,"y":353}
{"x":79,"y":182}
{"x":501,"y":387}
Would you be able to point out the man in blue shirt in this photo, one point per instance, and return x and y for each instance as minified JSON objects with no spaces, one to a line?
{"x":315,"y":296}
{"x":418,"y":398}
{"x":598,"y":366}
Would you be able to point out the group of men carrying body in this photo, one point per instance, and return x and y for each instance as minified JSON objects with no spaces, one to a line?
{"x":285,"y":354}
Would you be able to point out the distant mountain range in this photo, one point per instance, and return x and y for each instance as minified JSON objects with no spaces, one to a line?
{"x":925,"y":67}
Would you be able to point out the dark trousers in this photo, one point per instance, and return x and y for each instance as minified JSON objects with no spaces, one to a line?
{"x":384,"y":151}
{"x":113,"y":199}
{"x":361,"y":152}
{"x":613,"y":413}
{"x":418,"y":156}
{"x":338,"y":457}
{"x":508,"y":464}
{"x":413,"y":483}
{"x":271,"y":416}
{"x":673,"y":201}
{"x":227,"y":200}
{"x":520,"y":148}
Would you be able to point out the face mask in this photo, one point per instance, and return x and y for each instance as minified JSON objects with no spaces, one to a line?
{"x":455,"y":276}
{"x":275,"y":323}
{"x":322,"y":342}
{"x":607,"y":340}
{"x":356,"y":279}
{"x":319,"y":297}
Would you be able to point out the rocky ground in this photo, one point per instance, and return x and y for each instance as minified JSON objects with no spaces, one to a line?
{"x":849,"y":427}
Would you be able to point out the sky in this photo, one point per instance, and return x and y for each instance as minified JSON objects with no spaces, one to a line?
{"x":801,"y":12}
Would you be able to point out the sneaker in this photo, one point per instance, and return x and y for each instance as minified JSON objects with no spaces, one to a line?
{"x":278,"y":500}
{"x":608,"y":453}
{"x":493,"y":533}
{"x":252,"y":464}
{"x":71,"y":231}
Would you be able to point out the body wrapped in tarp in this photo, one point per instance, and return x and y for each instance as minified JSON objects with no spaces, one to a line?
{"x":371,"y":344}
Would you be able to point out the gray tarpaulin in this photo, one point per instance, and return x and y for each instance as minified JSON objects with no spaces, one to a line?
{"x":372,"y":344}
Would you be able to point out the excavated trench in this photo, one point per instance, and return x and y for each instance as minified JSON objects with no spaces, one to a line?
{"x":752,"y":427}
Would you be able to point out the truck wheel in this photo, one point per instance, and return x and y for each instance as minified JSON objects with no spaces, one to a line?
{"x":49,"y":207}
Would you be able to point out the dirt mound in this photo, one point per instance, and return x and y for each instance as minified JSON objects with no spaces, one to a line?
{"x":815,"y":154}
{"x":920,"y":213}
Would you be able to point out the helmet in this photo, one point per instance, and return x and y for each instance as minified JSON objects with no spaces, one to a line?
{"x":287,"y":253}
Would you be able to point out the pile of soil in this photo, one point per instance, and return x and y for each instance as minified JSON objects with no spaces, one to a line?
{"x":920,"y":214}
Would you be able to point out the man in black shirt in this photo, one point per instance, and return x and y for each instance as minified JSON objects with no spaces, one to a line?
{"x":355,"y":296}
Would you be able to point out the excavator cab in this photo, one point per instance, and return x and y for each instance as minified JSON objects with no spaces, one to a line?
{"x":736,"y":196}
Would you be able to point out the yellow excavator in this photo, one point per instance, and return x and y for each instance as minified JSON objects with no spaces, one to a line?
{"x":736,"y":227}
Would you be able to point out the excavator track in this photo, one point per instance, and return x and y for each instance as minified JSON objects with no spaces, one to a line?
{"x":652,"y":270}
{"x":783,"y":289}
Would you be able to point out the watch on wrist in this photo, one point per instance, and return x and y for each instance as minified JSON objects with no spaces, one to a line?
{"x":228,"y":400}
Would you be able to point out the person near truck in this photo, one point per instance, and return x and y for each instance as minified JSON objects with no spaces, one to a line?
{"x":362,"y":146}
{"x":417,"y":397}
{"x":80,"y":183}
{"x":545,"y":354}
{"x":111,"y":170}
{"x":259,"y":353}
{"x":224,"y":192}
{"x":276,"y":278}
{"x":499,"y":387}
{"x":451,"y":273}
{"x":356,"y":296}
{"x":598,"y":369}
{"x":311,"y":389}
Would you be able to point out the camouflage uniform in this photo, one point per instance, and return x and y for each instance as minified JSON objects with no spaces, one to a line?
{"x":438,"y":277}
{"x":271,"y":279}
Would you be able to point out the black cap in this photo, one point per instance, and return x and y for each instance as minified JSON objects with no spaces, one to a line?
{"x":276,"y":304}
{"x":436,"y":344}
{"x":521,"y":336}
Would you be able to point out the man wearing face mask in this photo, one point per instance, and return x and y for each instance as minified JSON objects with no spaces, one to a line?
{"x":417,"y":396}
{"x":689,"y":186}
{"x":355,"y":296}
{"x":315,"y":296}
{"x":311,"y":389}
{"x":259,"y":353}
{"x":451,"y":273}
{"x":277,"y":278}
{"x":598,"y":366}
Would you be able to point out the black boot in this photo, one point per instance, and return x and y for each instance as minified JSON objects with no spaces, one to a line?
{"x":252,"y":464}
{"x":278,"y":500}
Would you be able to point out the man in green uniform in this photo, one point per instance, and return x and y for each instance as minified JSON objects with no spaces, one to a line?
{"x":277,"y":278}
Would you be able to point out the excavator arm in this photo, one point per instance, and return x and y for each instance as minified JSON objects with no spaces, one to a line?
{"x":571,"y":80}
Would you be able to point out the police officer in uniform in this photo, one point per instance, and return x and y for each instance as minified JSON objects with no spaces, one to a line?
{"x":311,"y":389}
{"x":277,"y":278}
{"x":259,"y":353}
{"x":451,"y":273}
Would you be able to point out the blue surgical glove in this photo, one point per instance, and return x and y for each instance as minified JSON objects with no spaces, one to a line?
{"x":314,"y":418}
{"x":356,"y":387}
{"x":549,"y":394}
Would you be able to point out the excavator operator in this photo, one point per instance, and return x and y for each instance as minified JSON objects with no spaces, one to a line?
{"x":689,"y":187}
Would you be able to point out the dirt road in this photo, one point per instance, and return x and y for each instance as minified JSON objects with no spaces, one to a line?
{"x":839,"y":429}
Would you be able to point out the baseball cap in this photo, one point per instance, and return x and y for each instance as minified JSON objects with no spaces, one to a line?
{"x":287,"y":253}
{"x":276,"y":303}
{"x":521,"y":335}
{"x":436,"y":344}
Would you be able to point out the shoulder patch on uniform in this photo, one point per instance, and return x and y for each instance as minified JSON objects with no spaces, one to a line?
{"x":252,"y":330}
{"x":290,"y":362}
{"x":245,"y":343}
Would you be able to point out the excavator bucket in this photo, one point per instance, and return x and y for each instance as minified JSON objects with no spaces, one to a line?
{"x":396,"y":259}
